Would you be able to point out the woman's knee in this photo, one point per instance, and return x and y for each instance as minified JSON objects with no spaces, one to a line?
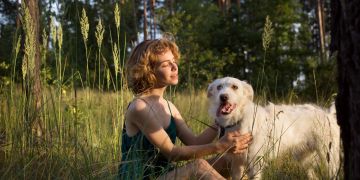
{"x":202,"y":169}
{"x":202,"y":164}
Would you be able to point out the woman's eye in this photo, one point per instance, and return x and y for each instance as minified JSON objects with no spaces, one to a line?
{"x":165,"y":65}
{"x":234,"y":87}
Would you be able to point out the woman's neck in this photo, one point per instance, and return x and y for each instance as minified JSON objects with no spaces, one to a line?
{"x":155,"y":93}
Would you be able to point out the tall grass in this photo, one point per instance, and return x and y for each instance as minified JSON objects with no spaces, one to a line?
{"x":81,"y":154}
{"x":81,"y":126}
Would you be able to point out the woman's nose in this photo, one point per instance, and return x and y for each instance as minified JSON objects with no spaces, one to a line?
{"x":174,"y":66}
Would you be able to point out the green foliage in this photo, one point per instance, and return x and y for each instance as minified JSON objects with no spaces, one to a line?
{"x":215,"y":44}
{"x":193,"y":28}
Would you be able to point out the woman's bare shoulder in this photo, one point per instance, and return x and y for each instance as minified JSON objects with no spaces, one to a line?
{"x":137,"y":105}
{"x":137,"y":109}
{"x":175,"y":111}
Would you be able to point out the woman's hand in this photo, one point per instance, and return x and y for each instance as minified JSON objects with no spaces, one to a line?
{"x":234,"y":142}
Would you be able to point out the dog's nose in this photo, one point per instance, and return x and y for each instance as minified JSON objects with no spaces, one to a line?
{"x":224,"y":97}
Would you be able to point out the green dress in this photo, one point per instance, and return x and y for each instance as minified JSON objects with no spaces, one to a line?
{"x":140,"y":159}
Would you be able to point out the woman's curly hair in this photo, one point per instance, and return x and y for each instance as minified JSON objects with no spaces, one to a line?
{"x":140,"y":66}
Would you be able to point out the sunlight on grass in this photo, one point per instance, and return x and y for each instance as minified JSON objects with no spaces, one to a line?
{"x":81,"y":120}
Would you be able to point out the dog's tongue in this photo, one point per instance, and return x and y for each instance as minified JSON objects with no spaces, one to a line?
{"x":225,"y":108}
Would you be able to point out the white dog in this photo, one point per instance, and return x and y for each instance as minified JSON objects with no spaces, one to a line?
{"x":306,"y":130}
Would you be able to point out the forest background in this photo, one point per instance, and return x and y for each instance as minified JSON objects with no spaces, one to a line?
{"x":281,"y":47}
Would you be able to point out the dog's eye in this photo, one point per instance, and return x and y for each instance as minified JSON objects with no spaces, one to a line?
{"x":219,"y":87}
{"x":234,"y":87}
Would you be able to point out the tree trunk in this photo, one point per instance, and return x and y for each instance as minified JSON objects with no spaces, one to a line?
{"x":320,"y":16}
{"x":33,"y":7}
{"x":221,"y":5}
{"x":153,"y":33}
{"x":345,"y":43}
{"x":228,"y":5}
{"x":145,"y":21}
{"x":238,"y":3}
{"x":171,"y":6}
{"x":134,"y":8}
{"x":225,"y":5}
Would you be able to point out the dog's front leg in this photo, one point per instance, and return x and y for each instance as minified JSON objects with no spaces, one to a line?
{"x":237,"y":166}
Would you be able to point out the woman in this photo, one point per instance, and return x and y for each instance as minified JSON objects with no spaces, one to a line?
{"x":153,"y":123}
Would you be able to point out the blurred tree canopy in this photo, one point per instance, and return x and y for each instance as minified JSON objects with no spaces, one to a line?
{"x":216,"y":38}
{"x":227,"y":41}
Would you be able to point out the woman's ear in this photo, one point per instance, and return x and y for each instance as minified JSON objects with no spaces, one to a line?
{"x":248,"y":90}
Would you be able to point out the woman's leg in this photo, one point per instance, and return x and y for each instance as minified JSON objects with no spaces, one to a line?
{"x":221,"y":165}
{"x":197,"y":169}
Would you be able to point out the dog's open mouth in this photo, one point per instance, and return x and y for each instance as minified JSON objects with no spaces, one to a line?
{"x":225,"y":109}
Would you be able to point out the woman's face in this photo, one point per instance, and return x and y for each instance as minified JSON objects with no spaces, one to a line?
{"x":166,"y":70}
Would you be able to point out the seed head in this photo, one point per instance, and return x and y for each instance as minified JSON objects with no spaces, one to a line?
{"x":53,"y":30}
{"x":84,"y":23}
{"x":268,"y":31}
{"x":60,"y":36}
{"x":99,"y":33}
{"x":115,"y":52}
{"x":117,"y":15}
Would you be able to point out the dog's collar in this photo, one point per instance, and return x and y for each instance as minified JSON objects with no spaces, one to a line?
{"x":222,"y":129}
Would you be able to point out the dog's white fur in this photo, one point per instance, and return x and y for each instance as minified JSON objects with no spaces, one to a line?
{"x":306,"y":130}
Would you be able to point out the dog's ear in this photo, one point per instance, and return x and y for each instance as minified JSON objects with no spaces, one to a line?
{"x":209,"y":90}
{"x":248,"y":91}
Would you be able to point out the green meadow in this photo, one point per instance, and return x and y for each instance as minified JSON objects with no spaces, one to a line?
{"x":74,"y":130}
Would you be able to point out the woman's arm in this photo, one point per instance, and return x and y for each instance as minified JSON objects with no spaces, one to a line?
{"x":186,"y":135}
{"x":231,"y":142}
{"x":143,"y":117}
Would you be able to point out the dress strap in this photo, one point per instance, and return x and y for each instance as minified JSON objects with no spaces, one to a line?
{"x":169,"y":107}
